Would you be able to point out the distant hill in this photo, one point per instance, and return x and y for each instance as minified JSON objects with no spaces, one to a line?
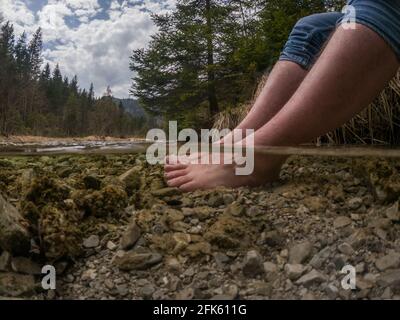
{"x":131,"y":106}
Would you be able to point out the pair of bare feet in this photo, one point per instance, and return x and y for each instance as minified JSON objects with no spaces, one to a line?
{"x":192,"y":174}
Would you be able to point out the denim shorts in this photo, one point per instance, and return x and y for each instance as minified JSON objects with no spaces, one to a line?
{"x":310,"y":34}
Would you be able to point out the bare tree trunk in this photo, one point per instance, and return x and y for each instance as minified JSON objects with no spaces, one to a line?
{"x":212,"y":96}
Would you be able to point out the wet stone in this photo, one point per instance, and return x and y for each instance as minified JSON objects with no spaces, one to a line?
{"x":16,"y":285}
{"x":252,"y":265}
{"x":341,"y":222}
{"x":92,"y":242}
{"x":311,"y":278}
{"x":130,"y":236}
{"x":25,"y":265}
{"x":390,"y":261}
{"x":300,"y":252}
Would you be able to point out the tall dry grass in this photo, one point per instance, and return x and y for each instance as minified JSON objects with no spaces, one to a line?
{"x":379,"y":123}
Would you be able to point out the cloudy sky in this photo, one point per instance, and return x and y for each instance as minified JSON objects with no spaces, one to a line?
{"x":90,"y":38}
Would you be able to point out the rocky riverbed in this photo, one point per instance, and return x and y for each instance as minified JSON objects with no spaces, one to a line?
{"x":113,"y":230}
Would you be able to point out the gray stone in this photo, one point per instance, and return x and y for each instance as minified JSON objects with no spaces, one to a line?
{"x":136,"y":261}
{"x":16,"y":285}
{"x":25,"y":265}
{"x":147,"y":291}
{"x":390,"y":278}
{"x":311,"y":278}
{"x":252,"y":265}
{"x":270,"y":267}
{"x":14,"y":235}
{"x":109,"y":284}
{"x":319,"y":259}
{"x":130,"y":236}
{"x":346,"y":249}
{"x":5,"y":259}
{"x":355,"y":203}
{"x":221,"y":259}
{"x":341,"y":222}
{"x":332,"y":291}
{"x":111,"y":246}
{"x":390,"y":261}
{"x":300,"y":252}
{"x":272,"y":238}
{"x":294,"y":271}
{"x":393,"y":212}
{"x":92,"y":242}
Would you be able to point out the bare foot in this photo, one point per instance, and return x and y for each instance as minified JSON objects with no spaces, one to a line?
{"x":193,"y":176}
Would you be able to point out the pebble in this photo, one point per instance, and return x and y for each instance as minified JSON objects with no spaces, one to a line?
{"x":130,"y":236}
{"x":111,"y":246}
{"x":346,"y":249}
{"x":25,"y":265}
{"x":355,"y":203}
{"x":294,"y":271}
{"x":390,"y":261}
{"x":311,"y":278}
{"x":393,"y":212}
{"x":332,"y":291}
{"x":389,"y":278}
{"x":89,"y":274}
{"x":300,"y":252}
{"x":252,"y":265}
{"x":5,"y":259}
{"x":341,"y":222}
{"x":147,"y":291}
{"x":92,"y":242}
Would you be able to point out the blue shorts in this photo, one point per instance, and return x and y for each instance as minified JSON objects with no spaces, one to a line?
{"x":310,"y":34}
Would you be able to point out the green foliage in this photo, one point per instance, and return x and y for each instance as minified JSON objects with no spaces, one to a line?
{"x":210,"y":54}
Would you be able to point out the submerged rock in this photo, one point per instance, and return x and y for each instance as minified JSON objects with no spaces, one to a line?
{"x":16,"y":285}
{"x":136,"y":261}
{"x":130,"y":236}
{"x":14,"y":234}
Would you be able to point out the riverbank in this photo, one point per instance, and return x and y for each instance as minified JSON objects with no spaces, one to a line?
{"x":21,"y":139}
{"x":114,"y":231}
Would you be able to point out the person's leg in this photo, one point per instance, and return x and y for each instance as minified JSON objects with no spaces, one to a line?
{"x":352,"y":70}
{"x":300,"y":52}
{"x":282,"y":83}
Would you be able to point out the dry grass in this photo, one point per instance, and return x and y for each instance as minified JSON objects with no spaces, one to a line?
{"x":377,"y":124}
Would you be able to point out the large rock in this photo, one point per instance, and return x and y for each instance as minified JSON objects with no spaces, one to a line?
{"x":14,"y":235}
{"x":130,"y":236}
{"x":16,"y":285}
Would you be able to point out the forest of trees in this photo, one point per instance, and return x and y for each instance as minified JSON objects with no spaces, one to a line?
{"x":40,"y":101}
{"x":208,"y":55}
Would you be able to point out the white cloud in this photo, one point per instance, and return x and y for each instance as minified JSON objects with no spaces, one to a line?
{"x":96,"y":50}
{"x":17,"y":12}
